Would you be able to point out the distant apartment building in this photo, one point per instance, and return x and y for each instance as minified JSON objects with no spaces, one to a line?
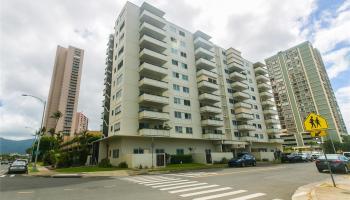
{"x":170,"y":91}
{"x":301,"y":85}
{"x":82,"y":123}
{"x":64,"y":90}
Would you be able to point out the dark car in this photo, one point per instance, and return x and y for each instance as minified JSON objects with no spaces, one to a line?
{"x":338,"y":163}
{"x":291,"y":158}
{"x":242,"y":160}
{"x":4,"y":162}
{"x":18,"y":166}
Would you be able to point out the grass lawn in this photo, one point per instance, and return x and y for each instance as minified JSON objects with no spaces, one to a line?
{"x":86,"y":169}
{"x":189,"y":166}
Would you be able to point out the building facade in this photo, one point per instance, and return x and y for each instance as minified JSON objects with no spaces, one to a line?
{"x":64,"y":90}
{"x":301,"y":85}
{"x":82,"y":123}
{"x":170,"y":91}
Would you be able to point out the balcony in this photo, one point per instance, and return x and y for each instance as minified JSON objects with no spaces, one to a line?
{"x":262,"y":79}
{"x":266,"y":95}
{"x":202,"y":63}
{"x":209,"y":98}
{"x":244,"y":116}
{"x":212,"y":122}
{"x":276,"y":140}
{"x":203,"y":53}
{"x":147,"y":16}
{"x":153,"y":115}
{"x":235,"y":66}
{"x":241,"y":96}
{"x":152,"y":84}
{"x":273,"y":131}
{"x":152,"y":57}
{"x":153,"y":31}
{"x":238,"y":76}
{"x":264,"y":87}
{"x":242,"y":105}
{"x":210,"y":110}
{"x":260,"y":71}
{"x":213,"y":136}
{"x":207,"y":73}
{"x":154,"y":132}
{"x":149,"y":70}
{"x":200,"y":42}
{"x":206,"y":86}
{"x":239,"y":86}
{"x":272,"y":121}
{"x":246,"y":127}
{"x":270,"y":112}
{"x":153,"y":44}
{"x":151,"y":99}
{"x":249,"y":139}
{"x":243,"y":110}
{"x":267,"y":103}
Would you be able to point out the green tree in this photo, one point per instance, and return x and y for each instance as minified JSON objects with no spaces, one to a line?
{"x":56,"y":115}
{"x":328,"y":148}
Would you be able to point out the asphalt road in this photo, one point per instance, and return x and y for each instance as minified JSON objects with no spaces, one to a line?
{"x":265,"y":183}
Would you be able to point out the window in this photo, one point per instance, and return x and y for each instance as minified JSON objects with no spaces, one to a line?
{"x":234,"y":122}
{"x":177,"y":100}
{"x":259,"y":126}
{"x":119,"y":79}
{"x":138,"y":151}
{"x":184,"y":65}
{"x":118,"y":94}
{"x":250,"y":80}
{"x":122,"y":26}
{"x":184,"y":77}
{"x":174,"y":51}
{"x":174,"y":62}
{"x":120,"y":65}
{"x":180,"y":152}
{"x":172,"y":29}
{"x":173,"y":39}
{"x":160,"y":151}
{"x":232,"y":111}
{"x":183,"y":54}
{"x":186,"y":90}
{"x":176,"y":87}
{"x":112,"y":112}
{"x":226,"y":71}
{"x":189,"y":130}
{"x":182,"y":43}
{"x":116,"y":127}
{"x":118,"y":110}
{"x":182,"y":33}
{"x":257,"y":116}
{"x":178,"y":129}
{"x":115,"y":153}
{"x":255,"y":107}
{"x":252,"y":89}
{"x":177,"y":114}
{"x":176,"y":75}
{"x":121,"y":50}
{"x":230,"y":100}
{"x":121,"y":37}
{"x":187,"y":102}
{"x":187,"y":115}
{"x":253,"y":97}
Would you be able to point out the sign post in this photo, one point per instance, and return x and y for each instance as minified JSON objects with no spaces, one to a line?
{"x":317,"y":126}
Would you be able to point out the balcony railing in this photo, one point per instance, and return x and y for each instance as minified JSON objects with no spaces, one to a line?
{"x":154,"y":132}
{"x":238,"y":76}
{"x":153,"y":115}
{"x":209,"y":98}
{"x":153,"y":99}
{"x":152,"y":84}
{"x":153,"y":19}
{"x":241,"y":95}
{"x":203,"y":53}
{"x":149,"y":70}
{"x":246,"y":127}
{"x":207,"y":73}
{"x":210,"y":109}
{"x":213,"y":136}
{"x":239,"y":86}
{"x":212,"y":122}
{"x":202,"y":63}
{"x":152,"y":57}
{"x":207,"y":86}
{"x":153,"y":31}
{"x":153,"y":44}
{"x":200,"y":42}
{"x":244,"y":116}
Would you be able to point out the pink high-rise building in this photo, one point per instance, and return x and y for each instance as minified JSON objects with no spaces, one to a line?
{"x":82,"y":123}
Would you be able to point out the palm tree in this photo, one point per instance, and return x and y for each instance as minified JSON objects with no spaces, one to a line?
{"x":56,"y":115}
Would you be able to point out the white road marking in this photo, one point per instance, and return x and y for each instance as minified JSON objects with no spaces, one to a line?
{"x":250,"y":196}
{"x":220,"y":195}
{"x":193,"y":175}
{"x":182,"y":186}
{"x":174,"y":184}
{"x":151,"y":184}
{"x":300,"y":193}
{"x":28,"y":192}
{"x":194,"y":188}
{"x":2,"y":176}
{"x":68,"y":189}
{"x":277,"y":199}
{"x":142,"y":179}
{"x":205,"y":191}
{"x":12,"y":175}
{"x":160,"y":181}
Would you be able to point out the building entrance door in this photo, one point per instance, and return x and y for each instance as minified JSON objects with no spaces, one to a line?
{"x":208,"y":155}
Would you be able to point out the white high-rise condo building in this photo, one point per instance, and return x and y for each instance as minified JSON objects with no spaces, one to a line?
{"x":170,"y":91}
{"x":301,"y":85}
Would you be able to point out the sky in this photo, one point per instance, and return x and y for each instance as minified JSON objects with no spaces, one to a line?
{"x":31,"y":30}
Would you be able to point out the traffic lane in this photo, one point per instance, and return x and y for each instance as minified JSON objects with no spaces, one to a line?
{"x":83,"y":188}
{"x":3,"y":169}
{"x":277,"y":182}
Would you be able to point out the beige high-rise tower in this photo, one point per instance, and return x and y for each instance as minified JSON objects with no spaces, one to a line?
{"x":64,"y":90}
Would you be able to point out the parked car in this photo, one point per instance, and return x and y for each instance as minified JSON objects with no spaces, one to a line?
{"x":18,"y":166}
{"x":291,"y":158}
{"x":337,"y":162}
{"x":315,"y":155}
{"x":306,"y":157}
{"x":346,"y":154}
{"x":23,"y":160}
{"x":242,"y":160}
{"x":4,"y":162}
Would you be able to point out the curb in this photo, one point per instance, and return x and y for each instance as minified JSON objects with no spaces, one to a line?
{"x":66,"y":176}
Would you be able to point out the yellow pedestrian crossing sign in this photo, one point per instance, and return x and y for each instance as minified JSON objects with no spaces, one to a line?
{"x":316,"y":124}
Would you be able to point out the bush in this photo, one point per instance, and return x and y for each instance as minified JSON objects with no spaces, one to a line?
{"x":265,"y":160}
{"x":49,"y":158}
{"x":123,"y":165}
{"x":178,"y":159}
{"x":64,"y":160}
{"x":105,"y":163}
{"x":140,"y":167}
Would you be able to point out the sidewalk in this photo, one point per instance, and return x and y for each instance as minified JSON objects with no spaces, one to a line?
{"x":324,"y":190}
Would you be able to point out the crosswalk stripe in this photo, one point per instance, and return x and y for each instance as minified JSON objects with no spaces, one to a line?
{"x":205,"y":192}
{"x":161,"y":181}
{"x":141,"y":179}
{"x":174,"y":184}
{"x":2,"y":176}
{"x":194,"y":188}
{"x":249,"y":196}
{"x":220,"y":195}
{"x":165,"y":182}
{"x":12,"y":175}
{"x":182,"y":186}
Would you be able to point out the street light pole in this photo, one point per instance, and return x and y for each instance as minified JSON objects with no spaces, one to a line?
{"x":41,"y":128}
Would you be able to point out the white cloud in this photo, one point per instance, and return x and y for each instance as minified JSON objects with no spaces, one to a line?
{"x":343,"y":97}
{"x":339,"y":61}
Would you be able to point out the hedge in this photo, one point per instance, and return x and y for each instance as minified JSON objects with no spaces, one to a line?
{"x":178,"y":159}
